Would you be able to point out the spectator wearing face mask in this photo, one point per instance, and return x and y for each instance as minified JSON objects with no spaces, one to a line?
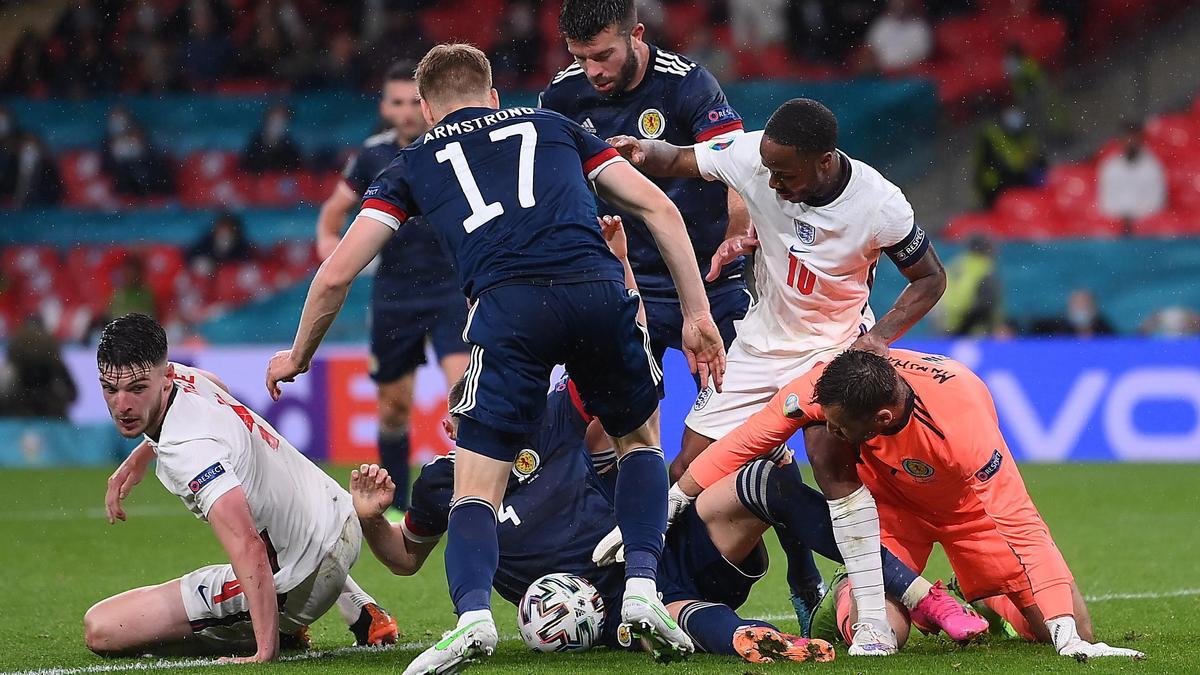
{"x":1083,"y":319}
{"x":1132,"y":184}
{"x":137,"y":169}
{"x":272,"y":147}
{"x":1009,"y":154}
{"x":224,"y":243}
{"x":36,"y":181}
{"x":900,"y":37}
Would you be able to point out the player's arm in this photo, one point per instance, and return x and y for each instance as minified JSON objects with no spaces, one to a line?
{"x":763,"y":433}
{"x":372,"y":490}
{"x":326,"y":295}
{"x":619,"y":184}
{"x":234,"y":526}
{"x":332,"y":217}
{"x":911,"y":251}
{"x":614,"y":234}
{"x":658,"y":158}
{"x":124,"y":479}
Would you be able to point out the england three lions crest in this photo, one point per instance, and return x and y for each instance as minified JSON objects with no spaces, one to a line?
{"x":805,"y":232}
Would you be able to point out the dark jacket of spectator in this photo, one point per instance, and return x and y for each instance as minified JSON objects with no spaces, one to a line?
{"x":38,"y":182}
{"x":224,"y":243}
{"x":137,"y":169}
{"x":10,"y":143}
{"x":1009,"y":155}
{"x":272,"y":147}
{"x":42,"y":385}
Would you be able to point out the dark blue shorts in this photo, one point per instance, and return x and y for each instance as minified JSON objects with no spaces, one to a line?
{"x":691,"y":567}
{"x":398,"y":335}
{"x":518,"y":333}
{"x":664,"y":319}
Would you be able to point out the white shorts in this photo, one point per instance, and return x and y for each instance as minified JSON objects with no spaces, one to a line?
{"x":220,"y":615}
{"x":751,"y":379}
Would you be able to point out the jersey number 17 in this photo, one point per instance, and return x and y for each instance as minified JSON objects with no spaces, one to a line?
{"x":482,"y":212}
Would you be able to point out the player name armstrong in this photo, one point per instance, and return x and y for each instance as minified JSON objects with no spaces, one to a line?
{"x":466,"y":127}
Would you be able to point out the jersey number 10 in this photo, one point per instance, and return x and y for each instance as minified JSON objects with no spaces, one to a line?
{"x":483,"y":213}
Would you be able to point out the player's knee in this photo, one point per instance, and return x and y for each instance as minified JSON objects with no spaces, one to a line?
{"x":394,"y":413}
{"x":99,"y":632}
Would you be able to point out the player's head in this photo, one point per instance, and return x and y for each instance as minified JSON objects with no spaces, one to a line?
{"x":799,"y":148}
{"x":455,"y":396}
{"x":134,"y":373}
{"x":453,"y":76}
{"x":400,"y":104}
{"x":861,"y":396}
{"x":604,"y":37}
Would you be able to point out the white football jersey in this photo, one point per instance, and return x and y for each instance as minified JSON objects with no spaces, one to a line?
{"x":210,"y":443}
{"x":815,"y":264}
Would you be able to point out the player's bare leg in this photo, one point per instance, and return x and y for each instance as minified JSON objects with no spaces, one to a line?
{"x":150,"y":619}
{"x":641,"y":508}
{"x":472,"y":555}
{"x":690,"y":446}
{"x":454,"y":365}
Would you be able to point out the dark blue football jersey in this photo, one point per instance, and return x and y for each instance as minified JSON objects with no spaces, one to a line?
{"x":507,"y":193}
{"x":554,"y":511}
{"x":413,"y":269}
{"x":678,"y":102}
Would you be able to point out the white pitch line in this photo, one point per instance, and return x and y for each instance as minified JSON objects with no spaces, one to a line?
{"x":91,"y":513}
{"x":164,"y":664}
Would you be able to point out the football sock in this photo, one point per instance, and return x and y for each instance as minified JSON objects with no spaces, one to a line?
{"x":779,"y":496}
{"x":472,"y":554}
{"x":856,"y":531}
{"x":351,"y":601}
{"x":1009,"y":611}
{"x":393,"y":456}
{"x":641,"y":505}
{"x":712,"y":626}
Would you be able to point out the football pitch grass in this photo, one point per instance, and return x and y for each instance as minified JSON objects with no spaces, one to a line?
{"x":1129,"y":533}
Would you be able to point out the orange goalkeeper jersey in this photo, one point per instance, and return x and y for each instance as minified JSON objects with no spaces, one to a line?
{"x":949,"y":463}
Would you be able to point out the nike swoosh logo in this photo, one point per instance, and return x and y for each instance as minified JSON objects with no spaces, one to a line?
{"x":793,"y":249}
{"x":200,"y":589}
{"x":662,"y":615}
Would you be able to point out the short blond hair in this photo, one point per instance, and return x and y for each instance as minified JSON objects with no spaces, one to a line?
{"x":453,"y":71}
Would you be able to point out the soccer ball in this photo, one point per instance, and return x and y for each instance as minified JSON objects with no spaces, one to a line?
{"x":561,"y":612}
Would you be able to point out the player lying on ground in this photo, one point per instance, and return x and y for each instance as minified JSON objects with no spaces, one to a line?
{"x":288,"y":528}
{"x":934,"y":469}
{"x":508,"y":192}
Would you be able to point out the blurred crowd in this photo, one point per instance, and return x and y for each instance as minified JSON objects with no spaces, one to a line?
{"x":105,"y":46}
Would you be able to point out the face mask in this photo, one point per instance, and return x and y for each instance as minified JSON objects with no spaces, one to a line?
{"x":223,"y":242}
{"x":30,"y":156}
{"x":127,"y":148}
{"x":1013,"y":120}
{"x":5,"y":126}
{"x":118,"y":124}
{"x":275,"y":128}
{"x":1080,"y":318}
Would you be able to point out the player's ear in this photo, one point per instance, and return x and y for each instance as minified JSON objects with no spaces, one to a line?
{"x":427,"y":113}
{"x":448,"y":427}
{"x":884,"y":418}
{"x":638,"y":32}
{"x":494,"y":99}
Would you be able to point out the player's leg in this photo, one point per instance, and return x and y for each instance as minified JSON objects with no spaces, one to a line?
{"x":397,"y":350}
{"x":836,"y":616}
{"x":513,"y":350}
{"x":610,"y":360}
{"x":151,"y":619}
{"x":718,"y":629}
{"x":370,"y":623}
{"x":446,"y":336}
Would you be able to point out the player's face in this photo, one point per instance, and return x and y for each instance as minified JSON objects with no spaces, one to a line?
{"x":401,"y":108}
{"x":135,"y":397}
{"x":795,"y":176}
{"x":846,"y":427}
{"x":609,"y":60}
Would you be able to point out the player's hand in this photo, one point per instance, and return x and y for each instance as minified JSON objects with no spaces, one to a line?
{"x":257,"y":658}
{"x":120,"y":484}
{"x":614,"y":234}
{"x":326,"y":242}
{"x":610,"y":550}
{"x":728,"y":251}
{"x":1067,"y":642}
{"x":372,"y":490}
{"x":282,"y":368}
{"x":704,"y":349}
{"x":870,"y":342}
{"x":629,"y":148}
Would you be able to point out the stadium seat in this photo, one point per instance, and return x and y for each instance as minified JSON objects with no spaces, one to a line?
{"x":1027,"y":213}
{"x":274,"y":189}
{"x":1173,"y":137}
{"x":966,"y":225}
{"x":1041,"y":37}
{"x":967,"y":36}
{"x":479,"y":24}
{"x":1089,"y":225}
{"x":211,"y":178}
{"x":1073,"y":187}
{"x":84,"y":183}
{"x":1183,"y":179}
{"x":1169,"y":224}
{"x":24,"y":261}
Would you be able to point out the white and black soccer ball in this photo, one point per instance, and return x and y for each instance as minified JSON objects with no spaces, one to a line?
{"x":561,"y":612}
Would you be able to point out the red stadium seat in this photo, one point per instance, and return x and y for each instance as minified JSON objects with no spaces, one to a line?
{"x":1041,"y":37}
{"x":966,"y":225}
{"x":1169,"y":224}
{"x":968,"y":78}
{"x":967,"y":36}
{"x":211,"y":178}
{"x":477,"y":22}
{"x":1183,"y":181}
{"x":1073,"y":187}
{"x":1027,"y":213}
{"x":1090,"y":225}
{"x":24,"y":261}
{"x":84,"y":182}
{"x":275,"y":189}
{"x":1173,"y":137}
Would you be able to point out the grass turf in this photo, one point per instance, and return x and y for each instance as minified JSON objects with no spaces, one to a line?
{"x":1125,"y":530}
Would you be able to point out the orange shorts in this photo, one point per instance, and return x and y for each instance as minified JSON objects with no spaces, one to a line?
{"x":981,"y":559}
